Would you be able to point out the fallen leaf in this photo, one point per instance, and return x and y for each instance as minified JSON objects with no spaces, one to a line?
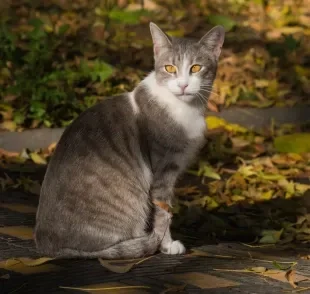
{"x":8,"y":125}
{"x":212,"y":106}
{"x":105,"y":288}
{"x":177,"y":288}
{"x":28,"y":261}
{"x":237,"y":198}
{"x":214,"y":122}
{"x":36,"y":158}
{"x":258,"y":269}
{"x":239,"y":142}
{"x":121,"y":266}
{"x":5,"y":277}
{"x":293,"y":143}
{"x":6,"y":153}
{"x":290,"y":274}
{"x":207,"y":171}
{"x":270,"y":236}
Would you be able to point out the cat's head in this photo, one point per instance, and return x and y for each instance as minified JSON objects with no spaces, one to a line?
{"x":185,"y":67}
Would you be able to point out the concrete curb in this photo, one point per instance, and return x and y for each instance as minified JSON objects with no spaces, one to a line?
{"x":247,"y":117}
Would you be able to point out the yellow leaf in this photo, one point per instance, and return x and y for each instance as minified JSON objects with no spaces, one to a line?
{"x":267,"y":195}
{"x":210,"y":202}
{"x":258,"y":269}
{"x":302,"y":188}
{"x":270,"y":236}
{"x":36,"y":158}
{"x":214,"y":122}
{"x":237,"y":198}
{"x":19,"y":207}
{"x":29,"y":266}
{"x":121,"y":266}
{"x":295,"y":156}
{"x":239,"y":142}
{"x":8,"y":125}
{"x":28,"y":261}
{"x":246,"y":171}
{"x":21,"y":232}
{"x":293,"y":143}
{"x":208,"y":172}
{"x":261,"y":83}
{"x":288,"y":186}
{"x":93,"y":289}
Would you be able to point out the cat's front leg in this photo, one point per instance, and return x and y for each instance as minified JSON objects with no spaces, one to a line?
{"x":162,"y":195}
{"x":162,"y":228}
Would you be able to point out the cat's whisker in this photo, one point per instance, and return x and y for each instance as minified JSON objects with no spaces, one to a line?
{"x":211,"y":92}
{"x":202,"y":99}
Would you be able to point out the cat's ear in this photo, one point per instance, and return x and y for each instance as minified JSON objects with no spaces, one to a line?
{"x":161,"y":41}
{"x":214,"y":40}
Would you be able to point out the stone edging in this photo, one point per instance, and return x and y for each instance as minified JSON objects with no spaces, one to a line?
{"x":247,"y":117}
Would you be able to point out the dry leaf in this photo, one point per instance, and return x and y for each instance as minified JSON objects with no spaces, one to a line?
{"x":38,"y":159}
{"x":177,"y":288}
{"x":197,"y":252}
{"x":6,"y":153}
{"x":5,"y":277}
{"x":289,"y":275}
{"x":28,"y":261}
{"x":212,"y":106}
{"x":121,"y":266}
{"x":105,"y":288}
{"x":258,"y":269}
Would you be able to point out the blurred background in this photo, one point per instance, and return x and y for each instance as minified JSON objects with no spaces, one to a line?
{"x":58,"y":57}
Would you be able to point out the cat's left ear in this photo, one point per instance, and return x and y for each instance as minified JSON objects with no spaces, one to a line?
{"x":214,"y":40}
{"x":160,"y":40}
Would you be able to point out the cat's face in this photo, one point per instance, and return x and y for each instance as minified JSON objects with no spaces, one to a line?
{"x":185,"y":67}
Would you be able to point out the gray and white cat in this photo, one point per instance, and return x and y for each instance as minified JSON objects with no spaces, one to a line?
{"x":121,"y":155}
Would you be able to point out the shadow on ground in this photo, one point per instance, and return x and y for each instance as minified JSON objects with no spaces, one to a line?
{"x":214,"y":270}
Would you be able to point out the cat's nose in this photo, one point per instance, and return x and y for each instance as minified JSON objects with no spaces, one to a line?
{"x":183,"y":87}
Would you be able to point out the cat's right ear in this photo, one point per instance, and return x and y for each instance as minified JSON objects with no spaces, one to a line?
{"x":161,"y":41}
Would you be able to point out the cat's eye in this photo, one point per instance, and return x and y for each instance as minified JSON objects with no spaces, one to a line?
{"x":170,"y":69}
{"x":195,"y":68}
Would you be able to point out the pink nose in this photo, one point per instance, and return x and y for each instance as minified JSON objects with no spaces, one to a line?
{"x":183,"y":87}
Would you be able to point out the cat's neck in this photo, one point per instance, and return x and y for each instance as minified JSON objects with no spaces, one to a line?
{"x":163,"y":96}
{"x":189,"y":116}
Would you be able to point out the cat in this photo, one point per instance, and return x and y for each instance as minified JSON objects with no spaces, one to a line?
{"x":123,"y":155}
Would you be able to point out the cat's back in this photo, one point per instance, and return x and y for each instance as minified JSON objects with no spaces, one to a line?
{"x":98,"y":125}
{"x":98,"y":137}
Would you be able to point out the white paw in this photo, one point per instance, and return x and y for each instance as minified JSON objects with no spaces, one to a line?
{"x":175,"y":247}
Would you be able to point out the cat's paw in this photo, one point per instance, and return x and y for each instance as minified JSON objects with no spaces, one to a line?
{"x":175,"y":247}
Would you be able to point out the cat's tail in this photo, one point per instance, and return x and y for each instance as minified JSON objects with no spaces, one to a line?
{"x":129,"y":249}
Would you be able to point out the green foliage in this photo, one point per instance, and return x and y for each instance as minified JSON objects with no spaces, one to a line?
{"x":127,"y":17}
{"x":293,"y":143}
{"x":223,"y":20}
{"x":32,"y":71}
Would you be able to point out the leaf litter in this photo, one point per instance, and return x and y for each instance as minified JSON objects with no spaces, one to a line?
{"x":258,"y":75}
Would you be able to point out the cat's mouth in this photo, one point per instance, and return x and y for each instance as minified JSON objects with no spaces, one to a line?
{"x":185,"y":97}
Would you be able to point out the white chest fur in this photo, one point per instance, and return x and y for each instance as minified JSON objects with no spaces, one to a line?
{"x":190,"y":118}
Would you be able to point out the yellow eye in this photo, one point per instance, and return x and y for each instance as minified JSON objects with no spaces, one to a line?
{"x":195,"y":68}
{"x":170,"y":68}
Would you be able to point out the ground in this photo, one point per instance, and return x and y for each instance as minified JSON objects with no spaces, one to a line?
{"x":210,"y":266}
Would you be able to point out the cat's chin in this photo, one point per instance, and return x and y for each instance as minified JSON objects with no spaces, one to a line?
{"x":186,"y":98}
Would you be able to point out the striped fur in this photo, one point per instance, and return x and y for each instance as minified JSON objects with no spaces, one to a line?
{"x":116,"y":158}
